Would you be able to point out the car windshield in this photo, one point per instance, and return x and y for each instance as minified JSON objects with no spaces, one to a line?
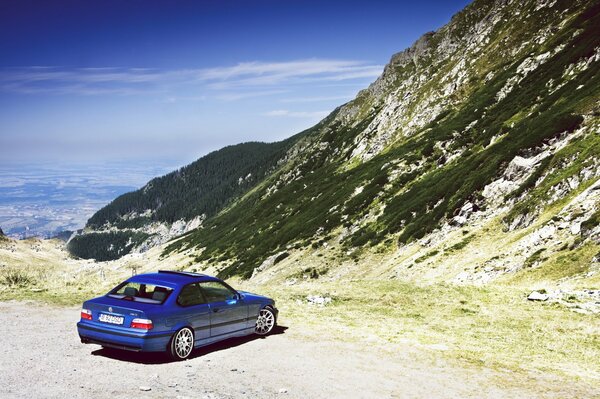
{"x":141,"y":292}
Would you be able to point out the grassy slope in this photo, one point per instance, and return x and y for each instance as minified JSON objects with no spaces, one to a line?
{"x":300,"y":212}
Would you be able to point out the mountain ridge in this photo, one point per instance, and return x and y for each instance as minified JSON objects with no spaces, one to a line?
{"x":483,"y":118}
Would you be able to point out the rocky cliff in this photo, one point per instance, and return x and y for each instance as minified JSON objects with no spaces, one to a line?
{"x":475,"y":155}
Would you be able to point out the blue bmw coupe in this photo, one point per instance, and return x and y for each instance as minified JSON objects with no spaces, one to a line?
{"x":174,"y":312}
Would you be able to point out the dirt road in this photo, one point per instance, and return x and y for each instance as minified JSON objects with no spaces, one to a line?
{"x":41,"y":356}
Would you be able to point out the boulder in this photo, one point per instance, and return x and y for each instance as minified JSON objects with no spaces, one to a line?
{"x":464,"y":213}
{"x":537,"y":296}
{"x":519,"y":167}
{"x":318,"y":300}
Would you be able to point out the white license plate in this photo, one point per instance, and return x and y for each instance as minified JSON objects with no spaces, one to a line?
{"x":107,"y":318}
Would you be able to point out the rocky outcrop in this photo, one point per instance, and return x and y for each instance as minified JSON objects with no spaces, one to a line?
{"x":162,"y":232}
{"x":270,"y":262}
{"x":579,"y":301}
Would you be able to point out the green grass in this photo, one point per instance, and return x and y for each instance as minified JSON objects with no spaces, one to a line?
{"x":427,"y":256}
{"x":495,"y":326}
{"x":560,"y":265}
{"x":462,"y":243}
{"x":534,"y":258}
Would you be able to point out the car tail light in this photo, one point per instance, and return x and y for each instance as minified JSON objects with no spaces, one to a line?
{"x":86,"y":314}
{"x":143,"y":324}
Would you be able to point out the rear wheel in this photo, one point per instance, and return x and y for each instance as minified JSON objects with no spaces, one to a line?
{"x":181,"y":344}
{"x":265,"y":322}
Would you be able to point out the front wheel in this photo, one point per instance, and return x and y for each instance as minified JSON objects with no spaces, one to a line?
{"x":265,"y":322}
{"x":181,"y":344}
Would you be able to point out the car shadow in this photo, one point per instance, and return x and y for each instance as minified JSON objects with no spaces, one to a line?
{"x":162,"y":357}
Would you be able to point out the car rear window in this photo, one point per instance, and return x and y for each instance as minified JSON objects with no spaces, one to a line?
{"x":141,"y":292}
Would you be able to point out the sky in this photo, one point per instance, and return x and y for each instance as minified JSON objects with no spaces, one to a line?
{"x":133,"y":80}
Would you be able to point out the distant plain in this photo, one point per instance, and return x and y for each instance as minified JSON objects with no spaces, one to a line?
{"x":43,"y":199}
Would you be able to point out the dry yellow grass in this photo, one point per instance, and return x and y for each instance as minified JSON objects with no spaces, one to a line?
{"x":493,"y":326}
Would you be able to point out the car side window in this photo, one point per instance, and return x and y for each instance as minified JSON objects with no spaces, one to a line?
{"x":214,"y":291}
{"x":190,"y":295}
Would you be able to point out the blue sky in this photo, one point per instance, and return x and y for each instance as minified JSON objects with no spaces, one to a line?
{"x":173,"y":80}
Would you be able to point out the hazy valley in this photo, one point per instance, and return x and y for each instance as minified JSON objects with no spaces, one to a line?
{"x":44,"y":199}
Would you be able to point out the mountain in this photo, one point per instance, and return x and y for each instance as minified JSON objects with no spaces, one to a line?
{"x":482,"y":140}
{"x":175,"y":203}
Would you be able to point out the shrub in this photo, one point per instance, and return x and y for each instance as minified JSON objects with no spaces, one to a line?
{"x":16,"y":278}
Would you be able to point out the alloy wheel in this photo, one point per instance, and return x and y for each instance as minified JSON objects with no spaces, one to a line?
{"x":184,"y":343}
{"x":265,"y":322}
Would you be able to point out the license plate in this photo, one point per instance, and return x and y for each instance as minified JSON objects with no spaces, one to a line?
{"x":107,"y":318}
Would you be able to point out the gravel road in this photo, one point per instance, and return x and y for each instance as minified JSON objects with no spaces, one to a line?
{"x":41,"y":356}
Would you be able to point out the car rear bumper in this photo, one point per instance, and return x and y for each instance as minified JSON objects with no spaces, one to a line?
{"x":142,"y":342}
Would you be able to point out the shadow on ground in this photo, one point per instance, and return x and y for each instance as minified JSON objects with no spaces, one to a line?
{"x":160,"y":358}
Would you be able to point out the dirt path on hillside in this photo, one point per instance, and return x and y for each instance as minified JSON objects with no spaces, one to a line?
{"x":41,"y":356}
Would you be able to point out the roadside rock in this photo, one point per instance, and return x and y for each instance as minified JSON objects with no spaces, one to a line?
{"x":537,"y":296}
{"x":318,"y":300}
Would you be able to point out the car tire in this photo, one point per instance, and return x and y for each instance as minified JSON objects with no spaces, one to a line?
{"x":181,"y":344}
{"x":265,"y":322}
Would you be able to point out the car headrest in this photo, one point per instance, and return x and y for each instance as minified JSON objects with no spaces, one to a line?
{"x":130,"y":291}
{"x":159,"y":295}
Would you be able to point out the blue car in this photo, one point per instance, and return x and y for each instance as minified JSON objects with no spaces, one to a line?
{"x":174,"y":312}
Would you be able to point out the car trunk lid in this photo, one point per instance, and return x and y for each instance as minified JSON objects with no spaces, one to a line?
{"x":114,"y":312}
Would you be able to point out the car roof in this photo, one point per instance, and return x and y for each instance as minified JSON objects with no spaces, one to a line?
{"x":171,"y":278}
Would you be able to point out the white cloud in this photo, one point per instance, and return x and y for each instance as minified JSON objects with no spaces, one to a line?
{"x":346,"y":97}
{"x":275,"y":76}
{"x":175,"y":99}
{"x":297,"y":114}
{"x":240,"y":95}
{"x":293,"y":72}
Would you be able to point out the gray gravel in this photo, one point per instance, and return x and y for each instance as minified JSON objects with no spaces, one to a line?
{"x":41,"y":357}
